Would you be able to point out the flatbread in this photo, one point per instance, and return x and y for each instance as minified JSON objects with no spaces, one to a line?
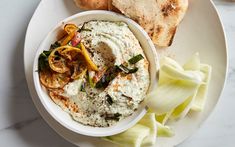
{"x":96,"y":5}
{"x":159,"y":18}
{"x":93,"y":4}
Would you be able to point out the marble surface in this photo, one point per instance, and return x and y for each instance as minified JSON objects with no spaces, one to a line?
{"x":22,"y":126}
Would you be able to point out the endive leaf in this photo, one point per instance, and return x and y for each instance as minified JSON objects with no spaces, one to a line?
{"x":171,"y":62}
{"x":164,"y":131}
{"x":182,"y":110}
{"x":176,"y":85}
{"x":201,"y":95}
{"x":170,"y":95}
{"x":149,"y":121}
{"x":163,"y":118}
{"x":132,"y":137}
{"x":175,"y":74}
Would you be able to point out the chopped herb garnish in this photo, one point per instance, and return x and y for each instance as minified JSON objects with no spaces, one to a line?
{"x":127,"y":70}
{"x":107,"y":77}
{"x":109,"y":99}
{"x":83,"y":87}
{"x":133,"y":70}
{"x":116,"y":117}
{"x":123,"y":68}
{"x":135,"y":59}
{"x":112,"y":73}
{"x":85,"y":30}
{"x":47,"y":53}
{"x":102,"y":83}
{"x":99,"y":84}
{"x":43,"y":60}
{"x":79,"y":30}
{"x":55,"y":45}
{"x":128,"y":97}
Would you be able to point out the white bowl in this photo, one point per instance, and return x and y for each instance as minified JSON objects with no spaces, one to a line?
{"x":64,"y":118}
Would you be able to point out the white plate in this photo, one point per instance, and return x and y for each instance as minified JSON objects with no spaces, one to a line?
{"x":201,"y":31}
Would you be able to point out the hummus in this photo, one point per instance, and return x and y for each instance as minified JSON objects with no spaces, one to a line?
{"x":109,"y":44}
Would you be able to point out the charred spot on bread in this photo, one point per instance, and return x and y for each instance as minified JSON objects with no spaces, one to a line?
{"x":158,"y":29}
{"x":170,"y":8}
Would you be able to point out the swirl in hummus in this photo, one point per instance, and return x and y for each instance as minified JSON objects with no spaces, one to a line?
{"x":97,"y":72}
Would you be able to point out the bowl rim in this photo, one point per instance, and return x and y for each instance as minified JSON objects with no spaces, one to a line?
{"x":38,"y":85}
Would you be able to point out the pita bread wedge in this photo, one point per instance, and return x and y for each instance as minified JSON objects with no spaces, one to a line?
{"x":92,"y":4}
{"x":96,"y":5}
{"x":159,"y":18}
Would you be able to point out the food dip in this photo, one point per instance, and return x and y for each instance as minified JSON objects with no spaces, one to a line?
{"x":103,"y":97}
